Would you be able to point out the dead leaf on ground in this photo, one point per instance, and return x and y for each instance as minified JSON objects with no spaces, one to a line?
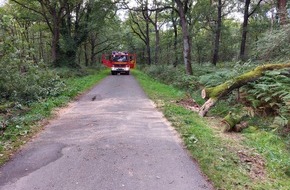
{"x":255,"y":163}
{"x":188,"y":103}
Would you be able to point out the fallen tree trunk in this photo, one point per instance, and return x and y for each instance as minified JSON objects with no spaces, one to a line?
{"x":234,"y":122}
{"x":213,"y":94}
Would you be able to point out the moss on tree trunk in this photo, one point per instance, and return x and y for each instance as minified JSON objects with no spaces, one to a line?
{"x":213,"y":94}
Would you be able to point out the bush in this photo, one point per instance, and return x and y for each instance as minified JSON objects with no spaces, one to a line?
{"x":22,"y":79}
{"x":174,"y":76}
{"x":274,"y":44}
{"x":28,"y":82}
{"x":270,"y":95}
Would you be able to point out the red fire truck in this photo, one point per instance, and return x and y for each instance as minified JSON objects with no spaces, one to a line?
{"x":119,"y":62}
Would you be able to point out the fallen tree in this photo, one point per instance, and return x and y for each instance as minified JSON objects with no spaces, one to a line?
{"x":234,"y":122}
{"x":213,"y":94}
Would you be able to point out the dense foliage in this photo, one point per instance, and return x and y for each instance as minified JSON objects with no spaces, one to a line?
{"x":29,"y":86}
{"x":270,"y":95}
{"x":266,"y":97}
{"x":274,"y":44}
{"x":34,"y":41}
{"x":21,"y":78}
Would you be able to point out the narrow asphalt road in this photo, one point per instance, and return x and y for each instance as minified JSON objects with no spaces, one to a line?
{"x":111,"y":138}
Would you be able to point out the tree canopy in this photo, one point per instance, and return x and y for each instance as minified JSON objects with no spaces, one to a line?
{"x":75,"y":32}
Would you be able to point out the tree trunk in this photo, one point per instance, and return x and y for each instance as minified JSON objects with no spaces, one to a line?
{"x":245,"y":30}
{"x":282,"y":11}
{"x":41,"y":48}
{"x":55,"y":29}
{"x":146,"y":15}
{"x":206,"y":106}
{"x":173,"y":20}
{"x":93,"y":46}
{"x":186,"y":40}
{"x":213,"y":94}
{"x":52,"y":13}
{"x":71,"y":56}
{"x":79,"y":58}
{"x":157,"y":34}
{"x":86,"y":55}
{"x":217,"y":34}
{"x":234,"y":122}
{"x":148,"y":49}
{"x":55,"y":49}
{"x":157,"y":44}
{"x":247,"y":15}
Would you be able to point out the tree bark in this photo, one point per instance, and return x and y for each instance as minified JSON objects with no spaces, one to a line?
{"x":206,"y":106}
{"x":213,"y":94}
{"x":234,"y":122}
{"x":157,"y":40}
{"x":217,"y":34}
{"x":146,"y":17}
{"x":156,"y":28}
{"x":55,"y":48}
{"x":245,"y":30}
{"x":282,"y":11}
{"x":41,"y":48}
{"x":93,"y":46}
{"x":186,"y":41}
{"x":157,"y":47}
{"x":56,"y":12}
{"x":247,"y":15}
{"x":72,"y":33}
{"x":86,"y":54}
{"x":175,"y":37}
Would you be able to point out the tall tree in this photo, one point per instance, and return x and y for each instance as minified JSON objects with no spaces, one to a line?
{"x":84,"y":20}
{"x":217,"y":33}
{"x":136,"y":18}
{"x":154,"y":22}
{"x":182,"y":9}
{"x":146,"y":16}
{"x":52,"y":12}
{"x":74,"y":29}
{"x":224,"y":8}
{"x":247,"y":15}
{"x":174,"y":24}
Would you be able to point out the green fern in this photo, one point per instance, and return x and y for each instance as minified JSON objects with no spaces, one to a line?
{"x":272,"y":92}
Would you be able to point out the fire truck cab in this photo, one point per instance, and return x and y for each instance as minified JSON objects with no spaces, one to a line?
{"x":119,"y":62}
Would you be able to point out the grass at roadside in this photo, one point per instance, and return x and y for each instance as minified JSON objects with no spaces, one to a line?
{"x":26,"y":124}
{"x":231,"y":161}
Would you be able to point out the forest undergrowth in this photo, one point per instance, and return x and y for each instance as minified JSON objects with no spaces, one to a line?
{"x":262,"y":150}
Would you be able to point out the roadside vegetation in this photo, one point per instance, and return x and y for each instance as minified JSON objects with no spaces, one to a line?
{"x":256,"y":158}
{"x":24,"y":113}
{"x":45,"y":64}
